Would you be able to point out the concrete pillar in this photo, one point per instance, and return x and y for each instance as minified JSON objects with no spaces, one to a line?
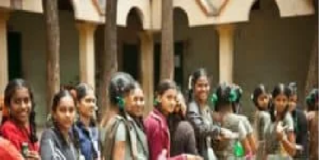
{"x":226,"y":51}
{"x":4,"y":16}
{"x":87,"y":52}
{"x":147,"y":69}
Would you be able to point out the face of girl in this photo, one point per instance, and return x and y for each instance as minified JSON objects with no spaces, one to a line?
{"x":263,"y":101}
{"x":201,"y":89}
{"x":168,"y":100}
{"x":20,"y":105}
{"x":135,"y":102}
{"x":280,"y":102}
{"x":87,"y":104}
{"x":65,"y":113}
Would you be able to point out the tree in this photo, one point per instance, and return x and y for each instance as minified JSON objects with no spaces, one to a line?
{"x":53,"y":49}
{"x":110,"y":63}
{"x":167,"y":51}
{"x":312,"y":74}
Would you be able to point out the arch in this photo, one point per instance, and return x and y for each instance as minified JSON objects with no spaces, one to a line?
{"x":138,"y":13}
{"x":292,"y":8}
{"x":142,"y":8}
{"x":183,"y":12}
{"x":195,"y":15}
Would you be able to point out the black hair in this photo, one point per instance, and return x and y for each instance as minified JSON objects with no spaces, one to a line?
{"x":164,"y":85}
{"x":174,"y":119}
{"x":10,"y":90}
{"x":293,"y":88}
{"x":120,"y":85}
{"x":236,"y":105}
{"x":56,"y":100}
{"x":311,"y":100}
{"x":82,"y":90}
{"x":279,"y":89}
{"x":224,"y":95}
{"x":71,"y":89}
{"x":200,"y":72}
{"x":259,"y":90}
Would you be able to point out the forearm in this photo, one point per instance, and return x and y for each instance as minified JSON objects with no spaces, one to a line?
{"x":246,"y":146}
{"x":289,"y":147}
{"x":252,"y":143}
{"x":201,"y":128}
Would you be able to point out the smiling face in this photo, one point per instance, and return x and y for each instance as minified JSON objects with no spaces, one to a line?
{"x":168,"y":100}
{"x":64,"y":113}
{"x":20,"y":105}
{"x":135,"y":103}
{"x":201,"y":89}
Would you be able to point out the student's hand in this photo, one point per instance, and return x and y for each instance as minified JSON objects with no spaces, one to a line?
{"x":193,"y":157}
{"x":299,"y":147}
{"x":217,"y":117}
{"x":163,"y":155}
{"x":280,"y":131}
{"x":227,"y":134}
{"x":33,"y":155}
{"x":310,"y":115}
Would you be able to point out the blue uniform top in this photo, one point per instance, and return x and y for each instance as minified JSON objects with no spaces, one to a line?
{"x":89,"y":140}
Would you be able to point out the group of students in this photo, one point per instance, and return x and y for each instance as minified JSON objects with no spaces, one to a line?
{"x":207,"y":124}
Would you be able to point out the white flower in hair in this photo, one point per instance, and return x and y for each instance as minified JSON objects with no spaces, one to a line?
{"x":190,"y":82}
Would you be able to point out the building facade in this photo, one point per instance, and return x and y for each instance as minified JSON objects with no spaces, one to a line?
{"x":242,"y":41}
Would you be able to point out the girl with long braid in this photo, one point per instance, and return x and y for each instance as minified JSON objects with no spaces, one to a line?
{"x":300,"y":124}
{"x":118,"y":138}
{"x":223,"y":99}
{"x":199,"y":114}
{"x":61,"y":141}
{"x":156,"y":125}
{"x":279,"y":134}
{"x":20,"y":127}
{"x":260,"y":98}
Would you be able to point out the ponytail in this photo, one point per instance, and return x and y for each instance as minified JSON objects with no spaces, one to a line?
{"x":76,"y":138}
